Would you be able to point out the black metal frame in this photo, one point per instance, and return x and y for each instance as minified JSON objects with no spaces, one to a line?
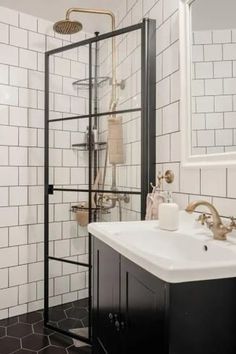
{"x":147,"y":109}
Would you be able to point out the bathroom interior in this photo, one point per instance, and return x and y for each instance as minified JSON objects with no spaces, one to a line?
{"x":117,"y":176}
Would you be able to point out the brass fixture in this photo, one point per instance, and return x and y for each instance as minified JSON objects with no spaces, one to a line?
{"x":168,"y":176}
{"x":203,"y":218}
{"x":218,"y":229}
{"x":69,"y":26}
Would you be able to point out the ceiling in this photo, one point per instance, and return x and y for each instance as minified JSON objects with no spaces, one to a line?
{"x":54,"y":10}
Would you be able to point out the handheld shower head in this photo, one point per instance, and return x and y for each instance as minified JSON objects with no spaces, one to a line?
{"x":67,"y":26}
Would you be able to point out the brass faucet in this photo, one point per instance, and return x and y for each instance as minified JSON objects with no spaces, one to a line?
{"x":218,"y":229}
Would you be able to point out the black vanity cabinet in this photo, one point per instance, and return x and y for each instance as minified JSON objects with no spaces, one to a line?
{"x":135,"y":312}
{"x":128,"y":305}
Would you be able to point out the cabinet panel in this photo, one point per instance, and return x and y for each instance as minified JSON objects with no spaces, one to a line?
{"x":142,"y":310}
{"x":106,"y":282}
{"x":203,"y":317}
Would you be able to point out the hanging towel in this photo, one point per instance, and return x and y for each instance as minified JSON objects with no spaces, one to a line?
{"x":115,"y":140}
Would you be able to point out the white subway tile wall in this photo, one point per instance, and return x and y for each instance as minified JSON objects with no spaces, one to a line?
{"x":23,"y":41}
{"x":215,"y":185}
{"x":214,"y":89}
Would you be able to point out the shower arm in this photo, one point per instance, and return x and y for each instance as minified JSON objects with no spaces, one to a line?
{"x":109,"y":13}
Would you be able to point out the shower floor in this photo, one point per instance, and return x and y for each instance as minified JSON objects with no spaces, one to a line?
{"x":26,"y":334}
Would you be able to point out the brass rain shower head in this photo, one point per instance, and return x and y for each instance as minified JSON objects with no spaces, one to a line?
{"x":67,"y":26}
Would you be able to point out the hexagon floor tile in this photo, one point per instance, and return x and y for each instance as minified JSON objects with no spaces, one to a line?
{"x":26,"y":334}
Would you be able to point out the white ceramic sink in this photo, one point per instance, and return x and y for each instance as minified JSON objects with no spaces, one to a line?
{"x":189,"y":254}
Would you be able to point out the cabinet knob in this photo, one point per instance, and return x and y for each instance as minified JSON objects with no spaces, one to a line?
{"x":110,"y":316}
{"x":117,"y":325}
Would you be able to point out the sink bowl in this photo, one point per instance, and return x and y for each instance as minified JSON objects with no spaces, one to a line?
{"x":189,"y":254}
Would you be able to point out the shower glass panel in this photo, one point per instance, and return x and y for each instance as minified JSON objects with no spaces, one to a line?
{"x":99,"y":158}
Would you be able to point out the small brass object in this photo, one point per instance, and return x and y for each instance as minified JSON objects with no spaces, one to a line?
{"x":203,"y":218}
{"x":168,"y":177}
{"x":218,"y":229}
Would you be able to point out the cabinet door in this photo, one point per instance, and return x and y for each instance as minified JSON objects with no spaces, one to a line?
{"x":142,"y":310}
{"x":106,"y":283}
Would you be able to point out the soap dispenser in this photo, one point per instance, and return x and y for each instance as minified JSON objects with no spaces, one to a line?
{"x":169,"y":214}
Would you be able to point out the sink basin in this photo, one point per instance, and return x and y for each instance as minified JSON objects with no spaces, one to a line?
{"x":189,"y":254}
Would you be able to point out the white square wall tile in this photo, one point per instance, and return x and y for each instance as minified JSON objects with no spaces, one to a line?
{"x":18,"y":156}
{"x":169,"y":7}
{"x":36,"y":195}
{"x":4,"y":112}
{"x":213,"y":181}
{"x":28,"y":22}
{"x":78,"y":281}
{"x":8,"y":54}
{"x":163,"y":93}
{"x":27,"y":176}
{"x":4,"y":196}
{"x":27,"y":293}
{"x":62,"y":285}
{"x":9,"y":95}
{"x":163,"y":37}
{"x":18,"y":77}
{"x":17,"y":310}
{"x":28,"y":98}
{"x":45,"y":27}
{"x":18,"y":116}
{"x":3,"y":237}
{"x":4,"y":74}
{"x":18,"y":275}
{"x":28,"y":59}
{"x":225,"y":206}
{"x":27,"y":254}
{"x":213,"y":52}
{"x":4,"y":278}
{"x":171,"y":118}
{"x":205,"y":138}
{"x":18,"y":37}
{"x":221,"y":36}
{"x":8,"y":176}
{"x":163,"y":148}
{"x":8,"y":297}
{"x":171,"y":59}
{"x":18,"y":196}
{"x":27,"y":215}
{"x":4,"y":33}
{"x":202,"y":37}
{"x":224,"y":137}
{"x":223,"y":69}
{"x":27,"y":137}
{"x":223,"y":103}
{"x":204,"y":70}
{"x":190,"y":180}
{"x":9,"y":16}
{"x":214,"y":87}
{"x":37,"y":42}
{"x":8,"y":257}
{"x":17,"y":235}
{"x":8,"y":216}
{"x":230,"y":86}
{"x":229,"y":51}
{"x":36,"y":271}
{"x":205,"y":104}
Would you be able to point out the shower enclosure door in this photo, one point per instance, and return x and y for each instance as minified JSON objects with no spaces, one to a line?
{"x":99,"y":93}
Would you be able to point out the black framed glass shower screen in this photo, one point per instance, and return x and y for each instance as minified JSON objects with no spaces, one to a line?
{"x":78,"y":97}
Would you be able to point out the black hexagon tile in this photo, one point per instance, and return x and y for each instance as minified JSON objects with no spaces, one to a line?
{"x":35,"y":342}
{"x":26,"y":334}
{"x":19,"y":330}
{"x":9,"y":345}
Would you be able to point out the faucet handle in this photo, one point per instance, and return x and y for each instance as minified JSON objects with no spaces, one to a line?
{"x":203,"y":218}
{"x":233,"y":222}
